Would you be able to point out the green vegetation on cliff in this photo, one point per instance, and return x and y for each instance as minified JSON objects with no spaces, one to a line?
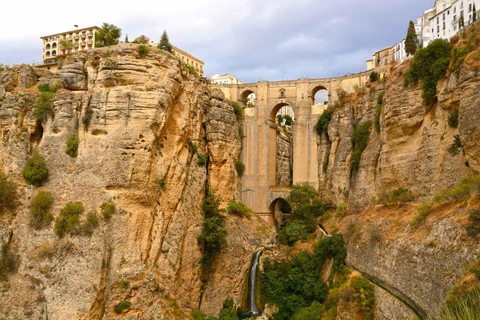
{"x":69,"y":220}
{"x":72,"y":145}
{"x":306,"y":208}
{"x":107,"y":35}
{"x":40,"y":206}
{"x":35,"y":171}
{"x":322,"y":124}
{"x":214,"y":232}
{"x":360,"y":142}
{"x":429,"y":65}
{"x":8,"y":262}
{"x":228,"y":313}
{"x":296,"y":287}
{"x":8,"y":193}
{"x":239,"y":209}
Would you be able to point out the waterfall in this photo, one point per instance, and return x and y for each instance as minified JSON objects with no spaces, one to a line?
{"x":252,"y":286}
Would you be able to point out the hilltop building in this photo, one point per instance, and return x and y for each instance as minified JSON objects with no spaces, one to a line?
{"x":443,"y":21}
{"x":83,"y":40}
{"x":225,"y":79}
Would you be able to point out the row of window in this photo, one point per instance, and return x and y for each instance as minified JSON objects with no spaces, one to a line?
{"x":69,"y":36}
{"x":54,"y":52}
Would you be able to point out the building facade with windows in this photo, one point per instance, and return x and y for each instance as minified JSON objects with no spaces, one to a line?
{"x":400,"y":54}
{"x":82,"y":40}
{"x":225,"y":79}
{"x":190,"y":60}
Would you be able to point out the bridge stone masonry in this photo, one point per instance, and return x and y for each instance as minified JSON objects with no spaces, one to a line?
{"x":260,"y":191}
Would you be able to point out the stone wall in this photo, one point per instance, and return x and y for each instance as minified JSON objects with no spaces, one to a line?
{"x":284,"y":159}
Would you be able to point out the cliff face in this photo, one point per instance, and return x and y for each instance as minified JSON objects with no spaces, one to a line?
{"x":411,"y":148}
{"x":139,"y":123}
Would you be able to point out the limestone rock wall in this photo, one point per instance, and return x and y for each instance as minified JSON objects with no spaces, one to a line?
{"x":139,"y":122}
{"x":411,"y":148}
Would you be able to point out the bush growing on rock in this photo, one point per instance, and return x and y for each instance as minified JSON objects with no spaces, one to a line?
{"x":313,"y":312}
{"x":202,"y":160}
{"x":322,"y":124}
{"x":398,"y":196}
{"x":423,"y":212}
{"x":240,"y":167}
{"x":44,"y":106}
{"x":40,"y":206}
{"x":108,"y":209}
{"x":90,"y":224}
{"x":122,"y":306}
{"x":473,"y":229}
{"x":378,"y":111}
{"x":72,"y":145}
{"x":214,"y":232}
{"x":456,"y":147}
{"x":8,"y":262}
{"x":465,"y":189}
{"x":366,"y":294}
{"x":239,"y":209}
{"x":8,"y":193}
{"x":294,"y":231}
{"x":453,"y":119}
{"x":238,"y":110}
{"x":429,"y":65}
{"x":360,"y":142}
{"x":69,"y":219}
{"x":342,"y":209}
{"x":374,"y":76}
{"x":35,"y":171}
{"x":143,"y":51}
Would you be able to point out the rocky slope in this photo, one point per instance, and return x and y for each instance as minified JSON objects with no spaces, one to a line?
{"x":139,"y":121}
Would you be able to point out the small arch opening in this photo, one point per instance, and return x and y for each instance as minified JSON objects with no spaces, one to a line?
{"x":320,"y":96}
{"x":248,"y":97}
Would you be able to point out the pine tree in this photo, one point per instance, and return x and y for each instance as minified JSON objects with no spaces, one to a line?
{"x":126,"y":38}
{"x":411,"y":40}
{"x":165,"y":43}
{"x":108,"y":35}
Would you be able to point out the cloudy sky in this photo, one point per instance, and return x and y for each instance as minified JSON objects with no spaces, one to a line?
{"x":253,"y":39}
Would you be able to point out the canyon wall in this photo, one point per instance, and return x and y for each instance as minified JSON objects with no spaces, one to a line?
{"x":142,"y":125}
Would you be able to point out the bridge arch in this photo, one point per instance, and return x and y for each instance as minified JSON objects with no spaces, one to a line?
{"x":279,"y":208}
{"x":320,"y":95}
{"x":248,"y":97}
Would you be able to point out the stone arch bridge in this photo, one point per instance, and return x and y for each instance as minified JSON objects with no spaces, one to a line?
{"x":260,"y":189}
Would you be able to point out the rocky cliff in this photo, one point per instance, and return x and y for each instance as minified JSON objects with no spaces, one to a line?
{"x":142,"y":123}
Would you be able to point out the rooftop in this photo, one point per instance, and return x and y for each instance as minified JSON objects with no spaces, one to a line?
{"x":75,"y":30}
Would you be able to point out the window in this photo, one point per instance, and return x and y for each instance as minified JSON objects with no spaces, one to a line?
{"x":438,"y":20}
{"x":444,"y":16}
{"x":438,"y":29}
{"x":454,"y":9}
{"x":444,"y":26}
{"x":455,"y":18}
{"x":470,"y":7}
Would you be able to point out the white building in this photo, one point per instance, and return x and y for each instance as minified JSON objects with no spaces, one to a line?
{"x":225,"y":79}
{"x":399,"y":52}
{"x":442,"y":21}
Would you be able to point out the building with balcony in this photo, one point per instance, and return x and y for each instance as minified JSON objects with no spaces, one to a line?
{"x":190,"y":60}
{"x":82,"y":40}
{"x":225,"y":79}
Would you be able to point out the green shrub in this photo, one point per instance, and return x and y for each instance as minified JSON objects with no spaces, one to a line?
{"x":366,"y":291}
{"x":313,"y":312}
{"x":228,"y":312}
{"x":293,"y":231}
{"x":398,"y":196}
{"x":297,"y":284}
{"x":123,"y":305}
{"x":378,"y":111}
{"x":374,"y":76}
{"x":373,"y":233}
{"x":423,"y":212}
{"x":192,"y":147}
{"x":240,"y":167}
{"x":429,"y":65}
{"x":239,"y":209}
{"x":334,"y":226}
{"x":323,"y":122}
{"x":453,"y":119}
{"x":473,"y":229}
{"x":342,"y":209}
{"x":465,"y":307}
{"x":202,"y":160}
{"x":465,"y":189}
{"x":69,"y":219}
{"x":8,"y":194}
{"x":143,"y":51}
{"x":40,"y":206}
{"x":238,"y":110}
{"x":360,"y":142}
{"x":90,"y":224}
{"x":326,"y":162}
{"x":45,"y":87}
{"x":35,"y":171}
{"x":456,"y":147}
{"x":72,"y":145}
{"x":214,"y":232}
{"x":8,"y":262}
{"x":108,"y":209}
{"x":44,"y":106}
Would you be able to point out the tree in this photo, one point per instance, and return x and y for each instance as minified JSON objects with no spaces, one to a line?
{"x":142,"y":39}
{"x":165,"y":43}
{"x":108,"y":35}
{"x":2,"y":67}
{"x":411,"y":40}
{"x":126,"y":38}
{"x":66,"y":45}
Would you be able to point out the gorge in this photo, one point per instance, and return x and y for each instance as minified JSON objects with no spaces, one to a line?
{"x":134,"y":144}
